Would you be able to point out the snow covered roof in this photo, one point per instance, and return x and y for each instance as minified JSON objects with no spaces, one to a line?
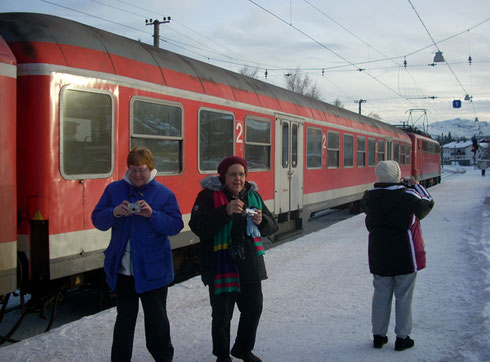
{"x":458,"y":144}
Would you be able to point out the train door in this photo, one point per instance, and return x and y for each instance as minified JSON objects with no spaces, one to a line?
{"x":288,"y":185}
{"x":8,"y":171}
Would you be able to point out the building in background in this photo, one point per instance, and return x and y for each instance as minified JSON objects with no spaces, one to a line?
{"x":459,"y":152}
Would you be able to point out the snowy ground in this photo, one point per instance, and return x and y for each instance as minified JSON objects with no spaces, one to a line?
{"x":318,"y":296}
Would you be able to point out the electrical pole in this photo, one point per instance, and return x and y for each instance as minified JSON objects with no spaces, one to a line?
{"x":360,"y":101}
{"x":156,"y":29}
{"x":425,"y":121}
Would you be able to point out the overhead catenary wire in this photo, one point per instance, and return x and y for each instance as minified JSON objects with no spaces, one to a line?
{"x":366,"y":43}
{"x":213,"y":55}
{"x":350,"y":63}
{"x":329,"y":49}
{"x":245,"y":61}
{"x":176,"y":43}
{"x":95,"y":16}
{"x":445,"y":61}
{"x":398,"y":57}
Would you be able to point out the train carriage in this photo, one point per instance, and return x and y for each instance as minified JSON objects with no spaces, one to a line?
{"x":426,"y":154}
{"x":86,"y":96}
{"x":8,"y":219}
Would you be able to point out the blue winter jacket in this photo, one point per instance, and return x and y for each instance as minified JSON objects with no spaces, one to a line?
{"x":151,"y":253}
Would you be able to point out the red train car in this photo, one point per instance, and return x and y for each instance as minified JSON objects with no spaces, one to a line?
{"x":8,"y":219}
{"x":426,"y":155}
{"x":86,"y":96}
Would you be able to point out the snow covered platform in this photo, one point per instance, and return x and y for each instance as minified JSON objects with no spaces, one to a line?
{"x":317,"y":300}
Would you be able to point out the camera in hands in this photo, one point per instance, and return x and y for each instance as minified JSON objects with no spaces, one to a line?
{"x":249,"y":212}
{"x":134,"y":207}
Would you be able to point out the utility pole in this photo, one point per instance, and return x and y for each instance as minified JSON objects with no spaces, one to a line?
{"x":360,"y":101}
{"x":156,"y":29}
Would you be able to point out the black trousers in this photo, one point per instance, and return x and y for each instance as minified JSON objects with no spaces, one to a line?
{"x":249,"y":302}
{"x":157,"y":327}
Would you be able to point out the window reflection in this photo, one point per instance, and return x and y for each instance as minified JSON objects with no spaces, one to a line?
{"x":86,"y":133}
{"x":158,"y":127}
{"x":215,"y":138}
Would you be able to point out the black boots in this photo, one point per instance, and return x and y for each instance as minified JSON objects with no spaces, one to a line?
{"x":402,"y":344}
{"x":246,"y":356}
{"x":379,"y":341}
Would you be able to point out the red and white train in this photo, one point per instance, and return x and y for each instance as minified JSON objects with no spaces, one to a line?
{"x":75,"y":99}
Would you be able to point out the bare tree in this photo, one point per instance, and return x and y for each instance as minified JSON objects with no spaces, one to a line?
{"x":302,"y":84}
{"x":375,"y":116}
{"x":249,"y":71}
{"x":338,"y":103}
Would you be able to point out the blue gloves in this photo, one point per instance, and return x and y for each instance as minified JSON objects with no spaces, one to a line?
{"x":252,"y":229}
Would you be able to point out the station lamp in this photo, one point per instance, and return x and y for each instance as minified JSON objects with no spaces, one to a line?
{"x":439,"y":58}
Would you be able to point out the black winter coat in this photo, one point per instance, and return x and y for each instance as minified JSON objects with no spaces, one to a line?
{"x":206,"y":221}
{"x":393,"y":214}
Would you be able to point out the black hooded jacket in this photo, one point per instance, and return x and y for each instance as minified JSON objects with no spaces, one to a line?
{"x":393,"y":214}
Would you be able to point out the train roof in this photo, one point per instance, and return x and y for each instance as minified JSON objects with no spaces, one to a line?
{"x":24,"y":30}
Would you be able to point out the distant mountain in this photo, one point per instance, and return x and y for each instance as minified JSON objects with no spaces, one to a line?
{"x":459,"y":128}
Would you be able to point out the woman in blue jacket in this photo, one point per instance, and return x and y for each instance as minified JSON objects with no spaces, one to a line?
{"x":141,"y":214}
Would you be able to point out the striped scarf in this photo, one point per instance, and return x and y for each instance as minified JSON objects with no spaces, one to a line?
{"x":227,"y":278}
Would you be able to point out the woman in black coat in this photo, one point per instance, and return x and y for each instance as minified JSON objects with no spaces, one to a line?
{"x":396,"y":249}
{"x":229,"y":216}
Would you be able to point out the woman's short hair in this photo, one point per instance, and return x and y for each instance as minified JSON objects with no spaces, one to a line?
{"x":141,"y":156}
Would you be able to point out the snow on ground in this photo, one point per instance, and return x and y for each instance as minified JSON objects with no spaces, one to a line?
{"x":317,"y":299}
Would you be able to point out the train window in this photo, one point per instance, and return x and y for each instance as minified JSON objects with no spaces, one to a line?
{"x":372,"y":152}
{"x":430,"y":147}
{"x":348,"y":150}
{"x":294,"y":145}
{"x":258,"y":144}
{"x":333,"y":150}
{"x":313,"y":147}
{"x":396,"y":152}
{"x":381,"y":150}
{"x":407,"y":154}
{"x":158,"y":126}
{"x":361,"y":151}
{"x":402,"y":154}
{"x":215,"y":138}
{"x":285,"y":145}
{"x":86,"y":134}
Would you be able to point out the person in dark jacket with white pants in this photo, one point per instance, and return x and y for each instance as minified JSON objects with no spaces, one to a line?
{"x":229,"y":216}
{"x":141,"y":214}
{"x":396,"y":249}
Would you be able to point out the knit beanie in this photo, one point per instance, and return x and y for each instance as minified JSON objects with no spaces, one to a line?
{"x":388,"y":171}
{"x":227,"y":162}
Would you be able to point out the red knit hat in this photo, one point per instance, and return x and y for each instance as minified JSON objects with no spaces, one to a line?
{"x":227,"y":162}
